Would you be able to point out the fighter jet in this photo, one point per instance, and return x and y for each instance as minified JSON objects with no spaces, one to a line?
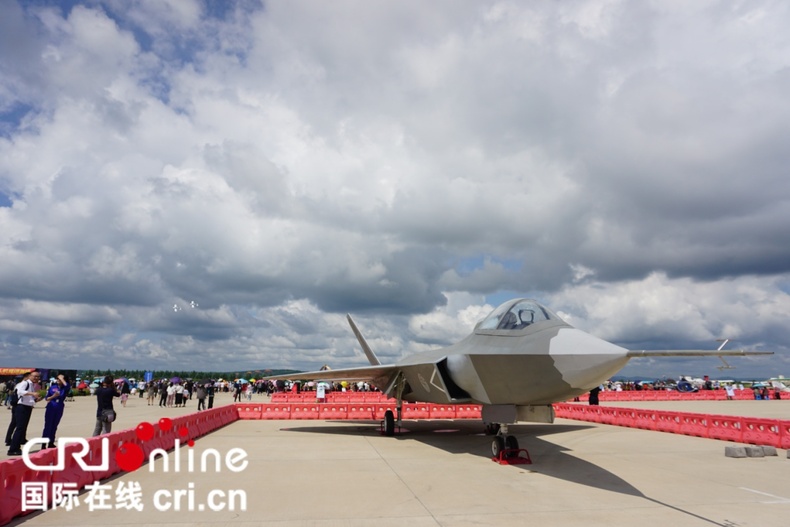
{"x":518,"y":360}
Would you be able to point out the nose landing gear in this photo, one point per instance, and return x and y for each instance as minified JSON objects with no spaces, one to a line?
{"x":504,"y":448}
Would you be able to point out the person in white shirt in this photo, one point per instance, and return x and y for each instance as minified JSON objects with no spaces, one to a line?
{"x":28,"y":397}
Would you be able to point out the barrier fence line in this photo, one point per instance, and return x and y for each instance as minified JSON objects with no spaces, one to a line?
{"x":605,"y":396}
{"x":13,"y":472}
{"x":751,"y":430}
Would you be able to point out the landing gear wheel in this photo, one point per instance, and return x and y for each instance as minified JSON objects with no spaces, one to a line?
{"x":389,"y":423}
{"x":497,"y":446}
{"x":492,"y":429}
{"x":511,"y":443}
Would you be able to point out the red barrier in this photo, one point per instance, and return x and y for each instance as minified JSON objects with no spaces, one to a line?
{"x":441,"y":411}
{"x":72,"y":472}
{"x":416,"y":411}
{"x":226,"y":415}
{"x":724,"y":427}
{"x":769,"y":432}
{"x":333,"y":411}
{"x":360,"y":411}
{"x":608,"y":416}
{"x":164,"y":439}
{"x":248,"y":411}
{"x":14,"y":472}
{"x":304,"y":411}
{"x":668,"y":422}
{"x":645,"y":419}
{"x":693,"y":425}
{"x":380,"y":409}
{"x":468,"y":411}
{"x":760,"y":431}
{"x":205,"y":420}
{"x":276,"y":411}
{"x":784,"y":434}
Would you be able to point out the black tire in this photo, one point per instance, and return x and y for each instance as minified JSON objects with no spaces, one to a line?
{"x":511,"y":443}
{"x":497,"y":446}
{"x":389,"y":423}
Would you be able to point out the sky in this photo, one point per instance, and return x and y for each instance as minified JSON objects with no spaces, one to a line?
{"x":213,"y":185}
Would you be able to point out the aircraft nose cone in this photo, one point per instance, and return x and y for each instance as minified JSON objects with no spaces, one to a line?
{"x":584,"y":360}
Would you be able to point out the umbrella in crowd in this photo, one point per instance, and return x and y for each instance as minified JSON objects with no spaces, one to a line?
{"x":242,"y":381}
{"x":175,"y":379}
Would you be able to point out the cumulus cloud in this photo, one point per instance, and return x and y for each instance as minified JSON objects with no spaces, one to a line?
{"x":281,"y":166}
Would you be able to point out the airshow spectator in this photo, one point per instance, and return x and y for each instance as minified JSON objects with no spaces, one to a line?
{"x":200,"y":393}
{"x":163,"y":393}
{"x":150,"y":389}
{"x":210,"y":393}
{"x":105,"y":412}
{"x":179,"y":389}
{"x":27,"y":392}
{"x":593,"y":399}
{"x":56,"y":402}
{"x":125,"y":391}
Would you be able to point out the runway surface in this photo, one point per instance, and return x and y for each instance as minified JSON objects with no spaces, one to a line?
{"x":325,"y":473}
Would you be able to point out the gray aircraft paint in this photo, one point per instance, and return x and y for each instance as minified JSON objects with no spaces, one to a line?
{"x":527,"y":364}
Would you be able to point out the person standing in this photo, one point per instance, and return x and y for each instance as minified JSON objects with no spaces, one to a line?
{"x":162,"y":394}
{"x":28,"y":397}
{"x":56,"y":401}
{"x":186,"y":395}
{"x":200,"y":393}
{"x":11,"y":401}
{"x":593,"y":400}
{"x":210,"y":394}
{"x":125,"y":392}
{"x":105,"y":413}
{"x":179,"y":389}
{"x":151,"y":389}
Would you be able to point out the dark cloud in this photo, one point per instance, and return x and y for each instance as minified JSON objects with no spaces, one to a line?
{"x":278,"y":166}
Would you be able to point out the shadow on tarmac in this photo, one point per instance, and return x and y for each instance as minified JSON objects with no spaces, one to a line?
{"x":468,"y":437}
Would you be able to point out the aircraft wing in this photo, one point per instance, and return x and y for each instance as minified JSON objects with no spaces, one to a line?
{"x":694,"y":353}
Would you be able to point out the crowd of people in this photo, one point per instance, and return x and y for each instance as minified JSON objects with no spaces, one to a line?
{"x":20,"y":397}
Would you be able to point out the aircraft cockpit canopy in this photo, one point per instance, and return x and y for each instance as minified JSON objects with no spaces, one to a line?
{"x":516,"y":314}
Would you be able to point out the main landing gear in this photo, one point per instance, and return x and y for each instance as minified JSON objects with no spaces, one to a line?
{"x":389,"y":423}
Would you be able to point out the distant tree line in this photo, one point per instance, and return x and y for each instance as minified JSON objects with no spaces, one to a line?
{"x":159,"y":374}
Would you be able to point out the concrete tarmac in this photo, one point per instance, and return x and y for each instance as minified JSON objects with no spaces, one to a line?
{"x":328,"y":473}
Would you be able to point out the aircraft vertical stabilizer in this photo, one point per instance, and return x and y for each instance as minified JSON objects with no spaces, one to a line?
{"x":374,"y":361}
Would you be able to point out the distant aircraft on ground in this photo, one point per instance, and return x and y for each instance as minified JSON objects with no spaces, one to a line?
{"x":518,"y":360}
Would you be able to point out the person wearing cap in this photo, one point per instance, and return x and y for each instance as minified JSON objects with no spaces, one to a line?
{"x":56,"y":400}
